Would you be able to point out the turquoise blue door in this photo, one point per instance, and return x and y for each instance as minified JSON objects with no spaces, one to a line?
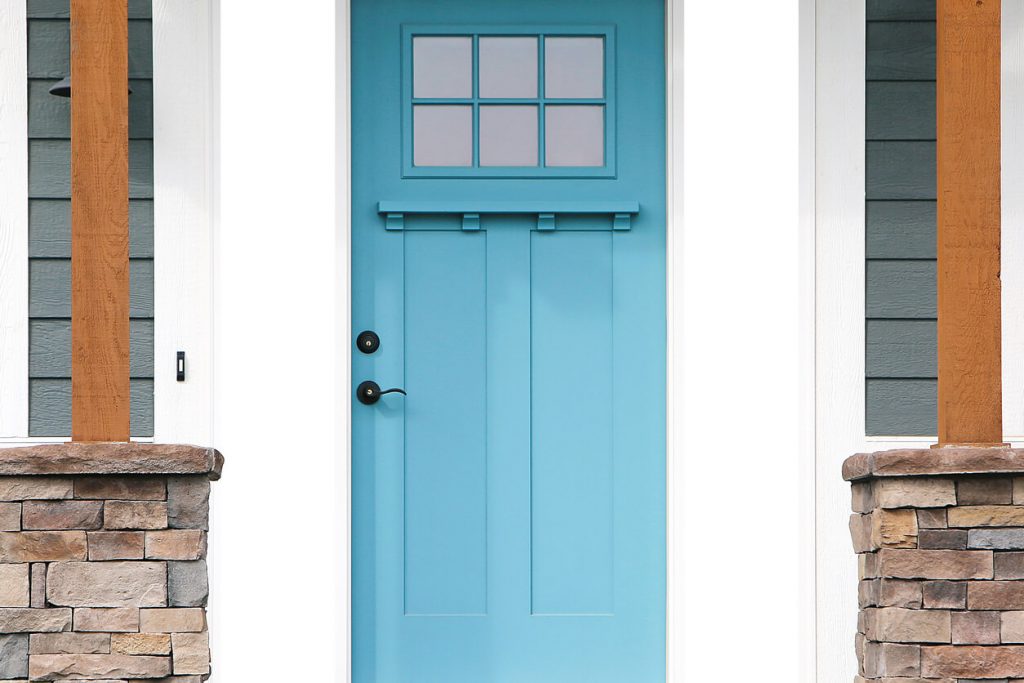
{"x":508,"y":241}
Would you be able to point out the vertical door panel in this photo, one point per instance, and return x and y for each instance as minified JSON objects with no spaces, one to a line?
{"x":571,"y":339}
{"x":446,"y":424}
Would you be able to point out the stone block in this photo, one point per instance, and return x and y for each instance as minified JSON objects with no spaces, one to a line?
{"x":173,"y":620}
{"x":934,"y":518}
{"x":187,"y":584}
{"x":996,"y":539}
{"x":986,"y":515}
{"x":35,"y":488}
{"x":42,"y":546}
{"x":976,"y":628}
{"x":140,"y":643}
{"x":995,"y":595}
{"x":200,"y":679}
{"x":984,"y":491}
{"x":120,"y":458}
{"x":860,"y":533}
{"x":28,"y":620}
{"x":1018,"y":491}
{"x":867,"y":593}
{"x":188,"y":502}
{"x":14,"y":585}
{"x":867,"y":565}
{"x":923,"y":492}
{"x":121,"y":488}
{"x":116,"y":545}
{"x":899,"y":593}
{"x":62,"y":514}
{"x":1009,"y":565}
{"x":70,"y":667}
{"x":176,"y":544}
{"x":889,"y":659}
{"x":191,"y":652}
{"x":942,"y":539}
{"x":1012,"y":627}
{"x":70,"y":644}
{"x":108,"y":620}
{"x":972,"y":661}
{"x":38,"y":584}
{"x":863,"y":499}
{"x":935,"y":564}
{"x":894,"y":528}
{"x":897,"y":625}
{"x":945,"y":595}
{"x":13,"y":656}
{"x":146,"y":515}
{"x":107,"y":584}
{"x":10,"y":516}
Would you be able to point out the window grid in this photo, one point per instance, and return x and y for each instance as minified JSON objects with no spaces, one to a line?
{"x":541,"y":101}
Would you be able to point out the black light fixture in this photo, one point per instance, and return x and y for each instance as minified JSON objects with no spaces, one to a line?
{"x":62,"y":88}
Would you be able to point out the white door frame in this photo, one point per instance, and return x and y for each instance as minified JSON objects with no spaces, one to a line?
{"x":738,"y":467}
{"x":839,"y":130}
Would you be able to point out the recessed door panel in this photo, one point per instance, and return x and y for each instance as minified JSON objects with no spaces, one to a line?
{"x":445,"y":432}
{"x":572,"y":415}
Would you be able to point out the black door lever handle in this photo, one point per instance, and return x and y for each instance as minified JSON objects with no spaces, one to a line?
{"x":369,"y":392}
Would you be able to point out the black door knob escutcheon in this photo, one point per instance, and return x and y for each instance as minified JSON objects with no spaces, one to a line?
{"x":368,"y":341}
{"x":369,"y":392}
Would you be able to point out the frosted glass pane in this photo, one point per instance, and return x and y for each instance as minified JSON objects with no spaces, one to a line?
{"x":508,"y":136}
{"x":442,"y":135}
{"x":508,"y":67}
{"x":574,"y":67}
{"x":574,"y":135}
{"x":442,"y":66}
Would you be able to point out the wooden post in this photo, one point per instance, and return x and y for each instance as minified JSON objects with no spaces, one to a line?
{"x":969,"y":306}
{"x":99,"y":221}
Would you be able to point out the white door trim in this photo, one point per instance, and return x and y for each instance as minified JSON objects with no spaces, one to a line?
{"x":734,"y":328}
{"x":839,"y":129}
{"x":737,"y":322}
{"x":13,"y":221}
{"x":183,"y":171}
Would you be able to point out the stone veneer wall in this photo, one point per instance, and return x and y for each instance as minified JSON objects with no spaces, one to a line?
{"x":103,"y":562}
{"x":940,"y":540}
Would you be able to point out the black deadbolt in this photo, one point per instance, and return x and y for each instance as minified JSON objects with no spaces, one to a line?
{"x":369,"y":392}
{"x":368,"y":341}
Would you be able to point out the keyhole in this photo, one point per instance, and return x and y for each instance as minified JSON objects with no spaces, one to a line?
{"x":368,"y":341}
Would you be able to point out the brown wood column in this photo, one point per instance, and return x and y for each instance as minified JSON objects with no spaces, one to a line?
{"x":969,"y":305}
{"x":99,"y":221}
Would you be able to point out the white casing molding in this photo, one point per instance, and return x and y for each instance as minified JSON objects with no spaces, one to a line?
{"x":282,"y":386}
{"x":281,"y":535}
{"x":13,"y":221}
{"x":735,"y":333}
{"x":183,"y":141}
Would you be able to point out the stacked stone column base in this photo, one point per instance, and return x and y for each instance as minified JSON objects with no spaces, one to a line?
{"x":939,"y":535}
{"x":103,"y":562}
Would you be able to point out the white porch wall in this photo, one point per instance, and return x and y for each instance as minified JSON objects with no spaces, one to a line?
{"x":279,"y":554}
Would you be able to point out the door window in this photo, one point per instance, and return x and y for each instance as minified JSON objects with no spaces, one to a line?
{"x":499,"y":103}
